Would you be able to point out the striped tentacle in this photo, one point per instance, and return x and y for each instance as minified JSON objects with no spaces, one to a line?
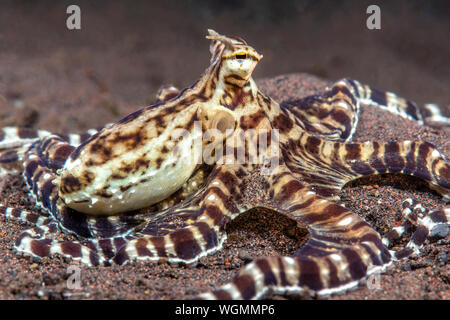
{"x":335,"y":272}
{"x":24,"y":216}
{"x":12,"y":137}
{"x":356,"y":160}
{"x":11,"y":160}
{"x":15,"y":141}
{"x":41,"y":161}
{"x":384,"y":100}
{"x":342,"y":250}
{"x":316,"y":162}
{"x":430,"y":114}
{"x":344,"y":162}
{"x":38,"y":243}
{"x":419,"y":159}
{"x":186,"y":244}
{"x":434,"y":224}
{"x":410,"y":215}
{"x":187,"y":233}
{"x":180,"y":235}
{"x":433,"y":115}
{"x":332,"y":115}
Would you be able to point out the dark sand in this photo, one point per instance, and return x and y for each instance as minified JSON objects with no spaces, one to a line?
{"x":256,"y":233}
{"x":53,"y":79}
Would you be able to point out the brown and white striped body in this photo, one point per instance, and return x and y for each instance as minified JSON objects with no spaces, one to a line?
{"x":89,"y":186}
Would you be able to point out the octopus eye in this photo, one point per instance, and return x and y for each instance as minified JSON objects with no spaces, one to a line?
{"x":242,"y":56}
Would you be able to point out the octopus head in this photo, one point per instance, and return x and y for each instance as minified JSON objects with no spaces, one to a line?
{"x":238,"y":59}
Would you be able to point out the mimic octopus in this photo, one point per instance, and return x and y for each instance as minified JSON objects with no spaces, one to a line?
{"x":93,"y":185}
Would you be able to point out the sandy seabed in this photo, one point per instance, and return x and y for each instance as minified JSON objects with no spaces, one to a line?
{"x":256,"y":233}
